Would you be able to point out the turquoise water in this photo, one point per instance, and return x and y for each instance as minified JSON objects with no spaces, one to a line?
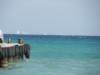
{"x":58,"y":55}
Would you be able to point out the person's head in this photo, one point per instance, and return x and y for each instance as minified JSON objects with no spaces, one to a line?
{"x":20,"y":40}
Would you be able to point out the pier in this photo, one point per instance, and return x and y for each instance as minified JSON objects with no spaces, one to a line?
{"x":12,"y":52}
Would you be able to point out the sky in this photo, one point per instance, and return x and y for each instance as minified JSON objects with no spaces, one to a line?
{"x":53,"y":17}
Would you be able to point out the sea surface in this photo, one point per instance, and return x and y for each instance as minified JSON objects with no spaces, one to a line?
{"x":57,"y":55}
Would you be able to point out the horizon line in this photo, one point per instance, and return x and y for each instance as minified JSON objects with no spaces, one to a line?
{"x":51,"y":34}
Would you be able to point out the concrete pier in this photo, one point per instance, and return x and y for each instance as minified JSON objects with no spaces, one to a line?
{"x":12,"y":52}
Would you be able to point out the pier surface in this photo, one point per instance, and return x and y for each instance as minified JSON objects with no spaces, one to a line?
{"x":9,"y":44}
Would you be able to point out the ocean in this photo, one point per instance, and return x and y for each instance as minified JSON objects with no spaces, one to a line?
{"x":57,"y":55}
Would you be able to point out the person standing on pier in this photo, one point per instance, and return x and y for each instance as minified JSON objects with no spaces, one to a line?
{"x":1,"y":36}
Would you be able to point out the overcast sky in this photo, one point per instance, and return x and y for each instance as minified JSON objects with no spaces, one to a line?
{"x":62,"y":17}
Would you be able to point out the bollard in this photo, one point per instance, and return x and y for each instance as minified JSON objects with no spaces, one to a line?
{"x":4,"y":59}
{"x":16,"y":57}
{"x":21,"y":52}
